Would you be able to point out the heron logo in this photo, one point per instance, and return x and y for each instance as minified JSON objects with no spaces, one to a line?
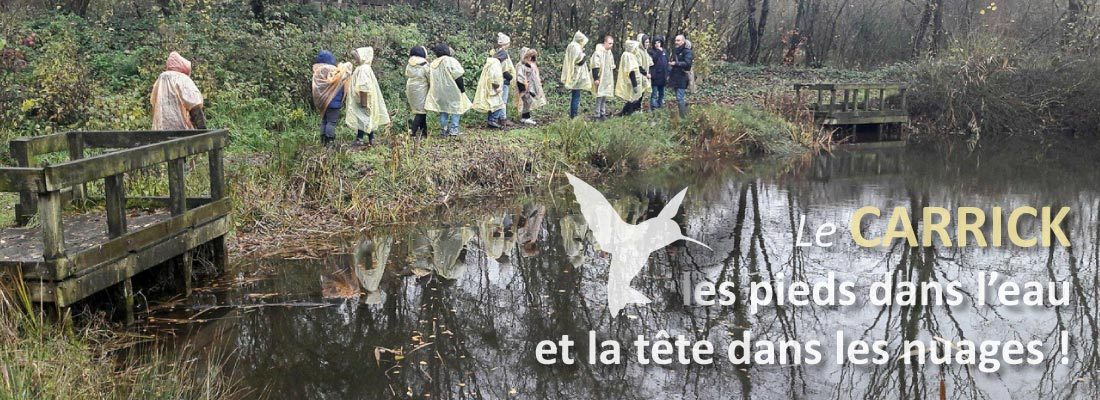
{"x":628,"y":244}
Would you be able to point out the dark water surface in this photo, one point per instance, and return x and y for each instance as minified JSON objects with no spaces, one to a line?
{"x":453,"y":307}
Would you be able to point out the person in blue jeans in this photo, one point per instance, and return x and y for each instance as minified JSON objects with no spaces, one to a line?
{"x":680,"y":68}
{"x":658,"y":74}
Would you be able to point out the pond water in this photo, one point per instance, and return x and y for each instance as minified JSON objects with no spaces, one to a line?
{"x":454,"y":307}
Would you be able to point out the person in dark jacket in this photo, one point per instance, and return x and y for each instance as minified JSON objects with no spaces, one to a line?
{"x":678,"y":76}
{"x":658,"y":74}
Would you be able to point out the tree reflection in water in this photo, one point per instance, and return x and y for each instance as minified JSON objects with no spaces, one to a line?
{"x":454,"y":306}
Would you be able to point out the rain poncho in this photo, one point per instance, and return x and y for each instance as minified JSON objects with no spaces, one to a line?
{"x":645,"y":63}
{"x":529,"y":77}
{"x":628,"y":63}
{"x":370,"y":265}
{"x":443,"y":93}
{"x":488,"y":99}
{"x":174,"y":95}
{"x":328,"y":80}
{"x":573,"y":234}
{"x":416,"y":85}
{"x":447,"y":245}
{"x":605,"y":61}
{"x":575,"y":76}
{"x":373,"y":115}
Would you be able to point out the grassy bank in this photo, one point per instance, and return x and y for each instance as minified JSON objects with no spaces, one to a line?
{"x":40,"y":359}
{"x":329,"y":192}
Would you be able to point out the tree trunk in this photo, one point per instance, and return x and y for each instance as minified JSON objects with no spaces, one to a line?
{"x":754,"y":34}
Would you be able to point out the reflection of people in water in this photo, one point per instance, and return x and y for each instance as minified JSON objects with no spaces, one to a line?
{"x":497,"y":238}
{"x":370,"y":260}
{"x":448,"y":250}
{"x":573,"y":234}
{"x":528,"y":229}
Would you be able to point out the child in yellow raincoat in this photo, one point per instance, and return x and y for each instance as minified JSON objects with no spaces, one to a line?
{"x":446,"y":90}
{"x":177,"y":102}
{"x":603,"y":75}
{"x":629,"y":86}
{"x":508,"y":69}
{"x":574,"y":72}
{"x":417,"y":74}
{"x":529,"y":83}
{"x":328,"y":85}
{"x":366,"y":108}
{"x":489,"y":97}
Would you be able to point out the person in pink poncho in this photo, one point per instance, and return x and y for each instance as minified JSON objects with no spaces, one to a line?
{"x":177,"y":102}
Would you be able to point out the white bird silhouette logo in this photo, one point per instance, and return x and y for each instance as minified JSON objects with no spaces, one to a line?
{"x":628,"y":244}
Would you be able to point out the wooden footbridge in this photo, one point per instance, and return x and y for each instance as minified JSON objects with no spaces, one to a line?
{"x":857,"y":104}
{"x":64,"y":257}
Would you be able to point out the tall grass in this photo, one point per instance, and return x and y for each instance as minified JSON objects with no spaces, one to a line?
{"x":45,"y":359}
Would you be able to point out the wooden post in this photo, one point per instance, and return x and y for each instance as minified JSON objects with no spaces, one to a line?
{"x":882,"y":99}
{"x":49,"y":217}
{"x":123,"y":294}
{"x":844,"y":107}
{"x":76,"y":152}
{"x":177,"y":193}
{"x":820,"y":94}
{"x":832,"y":101}
{"x":904,"y":100}
{"x":28,"y":206}
{"x":115,"y":193}
{"x":216,"y":164}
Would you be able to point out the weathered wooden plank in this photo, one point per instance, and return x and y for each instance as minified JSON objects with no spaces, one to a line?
{"x":115,"y":202}
{"x":865,"y":120}
{"x":49,"y":217}
{"x":129,"y":139}
{"x":76,"y":288}
{"x":104,"y":165}
{"x":164,"y":201}
{"x":850,"y":86}
{"x":20,"y":179}
{"x":39,"y":145}
{"x":92,"y":257}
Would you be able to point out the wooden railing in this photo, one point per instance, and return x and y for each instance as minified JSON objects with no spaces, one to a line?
{"x":856,"y":103}
{"x":44,"y":190}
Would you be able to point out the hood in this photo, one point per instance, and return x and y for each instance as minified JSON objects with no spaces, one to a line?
{"x":417,"y":60}
{"x":177,"y":63}
{"x":632,"y":46}
{"x":642,"y":37}
{"x":365,"y":55}
{"x":687,"y":44}
{"x":325,"y":57}
{"x":523,"y":53}
{"x":580,"y":38}
{"x":500,"y":55}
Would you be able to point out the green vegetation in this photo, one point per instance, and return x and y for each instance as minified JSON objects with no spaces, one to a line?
{"x":42,"y":359}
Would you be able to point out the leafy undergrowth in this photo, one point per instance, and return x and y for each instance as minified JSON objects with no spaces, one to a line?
{"x":41,"y":359}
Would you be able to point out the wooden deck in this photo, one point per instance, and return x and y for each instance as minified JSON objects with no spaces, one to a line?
{"x":68,"y":256}
{"x":857,"y":103}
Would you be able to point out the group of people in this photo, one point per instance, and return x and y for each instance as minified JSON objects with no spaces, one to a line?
{"x":431,"y":86}
{"x":437,"y":86}
{"x":644,"y":66}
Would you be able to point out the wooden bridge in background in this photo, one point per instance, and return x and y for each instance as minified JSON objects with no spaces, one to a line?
{"x":65,"y":257}
{"x":857,"y":104}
